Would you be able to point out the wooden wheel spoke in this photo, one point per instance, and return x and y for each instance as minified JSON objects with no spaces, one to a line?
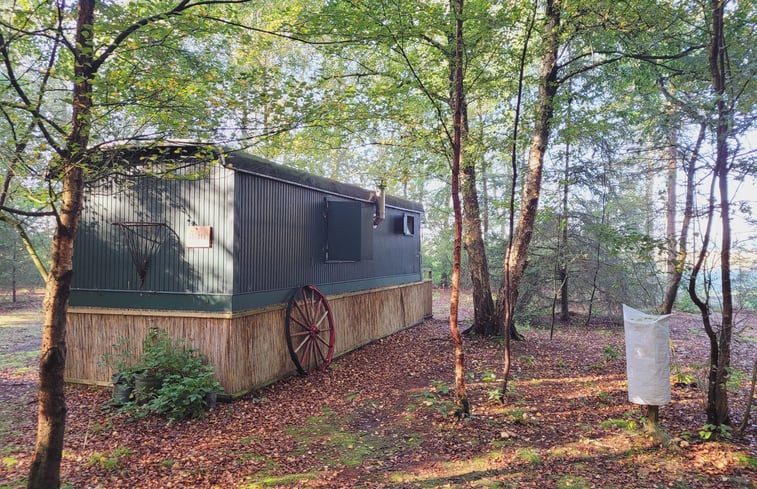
{"x":306,"y":353}
{"x":313,"y":351}
{"x":303,"y":342}
{"x":320,"y":320}
{"x":303,"y":314}
{"x":309,"y":301}
{"x":325,"y":343}
{"x":318,"y":350}
{"x":320,"y":353}
{"x":300,"y":323}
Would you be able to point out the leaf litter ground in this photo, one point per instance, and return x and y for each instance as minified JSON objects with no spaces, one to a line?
{"x":382,"y":417}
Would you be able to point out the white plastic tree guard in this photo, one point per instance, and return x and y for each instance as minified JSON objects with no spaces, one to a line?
{"x":647,"y":357}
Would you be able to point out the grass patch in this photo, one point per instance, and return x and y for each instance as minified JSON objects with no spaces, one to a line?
{"x":623,"y":424}
{"x":288,"y":480}
{"x":572,"y":482}
{"x":19,"y":359}
{"x":112,"y":460}
{"x":251,"y":456}
{"x":314,"y":427}
{"x":9,"y":462}
{"x":528,"y":455}
{"x":516,"y":416}
{"x":746,"y":461}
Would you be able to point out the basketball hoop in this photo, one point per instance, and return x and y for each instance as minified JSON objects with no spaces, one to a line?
{"x":143,"y":239}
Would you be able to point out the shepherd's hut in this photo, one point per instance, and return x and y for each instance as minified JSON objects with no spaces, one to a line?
{"x":265,"y":269}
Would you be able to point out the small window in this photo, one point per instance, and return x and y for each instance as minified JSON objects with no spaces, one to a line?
{"x":405,"y":224}
{"x":408,"y":227}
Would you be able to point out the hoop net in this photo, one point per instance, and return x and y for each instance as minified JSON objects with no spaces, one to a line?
{"x":143,"y":239}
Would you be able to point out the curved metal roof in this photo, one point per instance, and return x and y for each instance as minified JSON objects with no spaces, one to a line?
{"x":242,"y":161}
{"x":247,"y":163}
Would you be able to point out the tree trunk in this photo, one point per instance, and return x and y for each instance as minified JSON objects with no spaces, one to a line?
{"x":562,"y":275}
{"x":598,"y":251}
{"x":13,"y":277}
{"x":749,"y":401}
{"x":670,"y":204}
{"x":44,"y":472}
{"x":485,"y":199}
{"x":704,"y":306}
{"x":483,"y":305}
{"x":653,"y":418}
{"x":516,"y":259}
{"x":680,"y":258}
{"x":27,"y":242}
{"x":484,"y":322}
{"x":463,"y":407}
{"x":718,"y":70}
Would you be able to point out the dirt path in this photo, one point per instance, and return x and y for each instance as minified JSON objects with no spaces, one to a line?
{"x":381,"y":417}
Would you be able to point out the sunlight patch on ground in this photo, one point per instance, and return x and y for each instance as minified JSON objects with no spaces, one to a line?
{"x":587,"y":448}
{"x":460,"y":469}
{"x":20,"y":318}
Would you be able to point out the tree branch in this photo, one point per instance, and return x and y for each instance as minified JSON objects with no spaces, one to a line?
{"x":178,"y":9}
{"x":27,"y":244}
{"x":27,"y":213}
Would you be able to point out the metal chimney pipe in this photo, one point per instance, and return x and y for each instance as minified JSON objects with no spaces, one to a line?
{"x":380,"y":204}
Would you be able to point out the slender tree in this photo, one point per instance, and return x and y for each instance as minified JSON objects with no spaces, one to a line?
{"x":681,"y":248}
{"x":83,"y":59}
{"x":520,"y":239}
{"x":717,"y":403}
{"x":456,"y":76}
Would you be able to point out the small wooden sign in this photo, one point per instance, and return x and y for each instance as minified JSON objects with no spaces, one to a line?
{"x":199,"y":236}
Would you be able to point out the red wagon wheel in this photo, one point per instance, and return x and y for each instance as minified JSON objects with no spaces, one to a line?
{"x":310,"y":330}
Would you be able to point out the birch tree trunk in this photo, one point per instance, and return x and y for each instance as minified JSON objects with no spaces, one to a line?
{"x":456,"y":7}
{"x":44,"y":472}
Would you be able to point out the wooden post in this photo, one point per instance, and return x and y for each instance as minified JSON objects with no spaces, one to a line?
{"x":653,"y":417}
{"x":13,"y":276}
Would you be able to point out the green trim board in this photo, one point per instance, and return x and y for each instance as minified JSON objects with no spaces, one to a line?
{"x":220,"y":302}
{"x":127,"y":299}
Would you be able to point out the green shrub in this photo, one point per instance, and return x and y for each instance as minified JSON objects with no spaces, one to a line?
{"x":186,"y":378}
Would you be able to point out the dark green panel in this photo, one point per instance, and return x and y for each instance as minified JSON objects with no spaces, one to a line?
{"x":200,"y":194}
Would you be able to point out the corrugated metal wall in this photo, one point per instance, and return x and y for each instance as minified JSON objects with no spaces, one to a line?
{"x":102,"y":260}
{"x":281,"y":239}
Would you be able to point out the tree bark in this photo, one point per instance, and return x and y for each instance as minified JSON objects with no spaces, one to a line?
{"x":463,"y":407}
{"x":27,"y":242}
{"x":718,"y":70}
{"x":562,"y":275}
{"x":670,"y":205}
{"x":516,"y":259}
{"x":484,"y":321}
{"x":748,"y":409}
{"x":51,"y":419}
{"x":681,"y":252}
{"x":13,"y":277}
{"x":704,"y":306}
